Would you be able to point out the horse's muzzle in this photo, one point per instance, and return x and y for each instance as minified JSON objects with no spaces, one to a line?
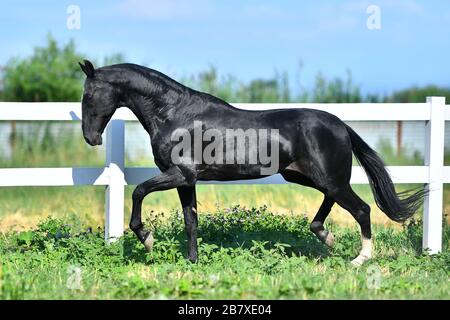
{"x":94,"y":140}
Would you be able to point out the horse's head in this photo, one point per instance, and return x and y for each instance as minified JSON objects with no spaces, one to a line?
{"x":98,"y":104}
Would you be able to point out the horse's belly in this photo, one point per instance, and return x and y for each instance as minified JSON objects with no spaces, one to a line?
{"x":232,"y":172}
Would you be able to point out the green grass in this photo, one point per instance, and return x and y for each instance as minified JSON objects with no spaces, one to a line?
{"x":243,"y":254}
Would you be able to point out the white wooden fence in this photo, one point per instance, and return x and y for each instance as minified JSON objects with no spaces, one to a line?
{"x":115,"y":176}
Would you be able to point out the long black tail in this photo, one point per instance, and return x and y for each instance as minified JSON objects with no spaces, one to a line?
{"x":397,"y":206}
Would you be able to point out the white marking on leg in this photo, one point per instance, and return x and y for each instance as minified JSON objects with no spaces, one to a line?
{"x":148,"y":243}
{"x":329,"y":241}
{"x":365,"y":253}
{"x":366,"y":247}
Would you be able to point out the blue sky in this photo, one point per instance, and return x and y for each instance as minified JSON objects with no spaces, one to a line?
{"x":249,"y":39}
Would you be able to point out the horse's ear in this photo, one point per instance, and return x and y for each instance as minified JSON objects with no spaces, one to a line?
{"x":88,"y":68}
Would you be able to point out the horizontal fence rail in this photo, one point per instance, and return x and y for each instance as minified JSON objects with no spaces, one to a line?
{"x":115,"y":176}
{"x":101,"y":176}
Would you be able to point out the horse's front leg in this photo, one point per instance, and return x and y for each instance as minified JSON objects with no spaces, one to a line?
{"x":189,"y":204}
{"x":172,"y":178}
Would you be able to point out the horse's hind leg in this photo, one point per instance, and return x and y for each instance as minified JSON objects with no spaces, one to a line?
{"x":317,"y":224}
{"x":350,"y":201}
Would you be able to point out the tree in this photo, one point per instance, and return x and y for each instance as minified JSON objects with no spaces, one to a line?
{"x":230,"y":89}
{"x":51,"y":73}
{"x":224,"y":87}
{"x":416,"y":94}
{"x":275,"y":89}
{"x":335,"y":90}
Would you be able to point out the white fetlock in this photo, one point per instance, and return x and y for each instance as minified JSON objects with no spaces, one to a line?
{"x":365,"y":254}
{"x":329,"y":241}
{"x":359,"y":260}
{"x":148,"y":243}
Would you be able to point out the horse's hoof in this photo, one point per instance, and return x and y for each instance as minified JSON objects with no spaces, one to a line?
{"x":193,"y":259}
{"x":359,"y":260}
{"x":326,"y":237}
{"x":148,"y":242}
{"x":329,"y":239}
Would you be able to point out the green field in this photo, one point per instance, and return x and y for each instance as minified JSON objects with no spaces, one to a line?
{"x":244,"y":254}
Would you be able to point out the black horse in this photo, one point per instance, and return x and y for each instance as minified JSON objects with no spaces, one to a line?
{"x":312,"y":148}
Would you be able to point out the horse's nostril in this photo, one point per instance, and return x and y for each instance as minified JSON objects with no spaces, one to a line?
{"x":87,"y":140}
{"x":99,"y":140}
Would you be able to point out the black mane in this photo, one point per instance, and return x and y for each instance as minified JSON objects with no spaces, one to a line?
{"x":139,"y":77}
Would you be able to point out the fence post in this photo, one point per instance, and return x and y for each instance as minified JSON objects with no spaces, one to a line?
{"x":114,"y":204}
{"x":434,"y":158}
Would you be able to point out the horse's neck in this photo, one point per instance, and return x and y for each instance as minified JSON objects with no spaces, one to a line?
{"x":151,"y":113}
{"x":151,"y":105}
{"x":144,"y":114}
